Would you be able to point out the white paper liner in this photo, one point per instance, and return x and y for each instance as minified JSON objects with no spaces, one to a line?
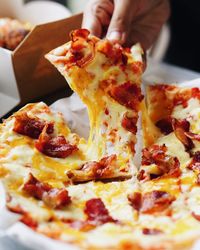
{"x":7,"y":219}
{"x":75,"y":114}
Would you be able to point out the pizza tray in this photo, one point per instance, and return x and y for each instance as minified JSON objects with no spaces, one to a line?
{"x":75,"y":114}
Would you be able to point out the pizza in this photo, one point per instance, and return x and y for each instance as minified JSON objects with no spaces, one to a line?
{"x":91,"y":193}
{"x":12,"y":32}
{"x":107,"y":79}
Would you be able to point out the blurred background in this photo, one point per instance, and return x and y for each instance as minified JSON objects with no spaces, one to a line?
{"x":74,"y":5}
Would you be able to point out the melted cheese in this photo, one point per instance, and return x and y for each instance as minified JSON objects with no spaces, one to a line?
{"x":107,"y":136}
{"x":18,"y":157}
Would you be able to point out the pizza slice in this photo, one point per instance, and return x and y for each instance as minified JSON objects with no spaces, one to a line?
{"x":174,"y":156}
{"x":107,"y":78}
{"x":169,"y":108}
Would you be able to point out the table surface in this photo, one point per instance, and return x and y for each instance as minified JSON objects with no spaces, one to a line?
{"x":155,"y":72}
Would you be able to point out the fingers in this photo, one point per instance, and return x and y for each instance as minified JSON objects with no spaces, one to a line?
{"x":97,"y":15}
{"x":132,"y":20}
{"x":146,"y":28}
{"x":120,"y":22}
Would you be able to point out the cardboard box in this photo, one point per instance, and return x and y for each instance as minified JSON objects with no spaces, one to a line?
{"x":24,"y":73}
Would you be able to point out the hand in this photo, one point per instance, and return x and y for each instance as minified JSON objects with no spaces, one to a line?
{"x":127,"y":21}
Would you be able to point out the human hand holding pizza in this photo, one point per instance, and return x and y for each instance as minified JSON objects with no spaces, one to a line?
{"x":127,"y":21}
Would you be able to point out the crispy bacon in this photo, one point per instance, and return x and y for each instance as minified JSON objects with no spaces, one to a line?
{"x":97,"y":213}
{"x":192,"y":136}
{"x":183,"y":97}
{"x":196,"y":93}
{"x":167,"y":165}
{"x":198,"y":179}
{"x":135,"y":200}
{"x":127,"y":94}
{"x":138,"y":67}
{"x":153,"y":153}
{"x":82,"y":48}
{"x":151,"y":231}
{"x":151,"y":202}
{"x":195,"y":166}
{"x":26,"y":217}
{"x":195,"y":163}
{"x":52,"y":197}
{"x":100,"y":168}
{"x":54,"y":146}
{"x":142,"y":175}
{"x":129,"y":123}
{"x":165,"y":125}
{"x":113,"y":52}
{"x":31,"y":127}
{"x":29,"y":221}
{"x":196,"y":216}
{"x":79,"y":33}
{"x":180,"y":128}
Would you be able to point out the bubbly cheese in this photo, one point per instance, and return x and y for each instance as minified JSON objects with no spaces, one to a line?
{"x":175,"y":229}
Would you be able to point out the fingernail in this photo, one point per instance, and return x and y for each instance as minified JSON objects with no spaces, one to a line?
{"x":115,"y":36}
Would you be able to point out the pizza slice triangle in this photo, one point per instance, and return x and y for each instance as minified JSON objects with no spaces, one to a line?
{"x":107,"y":78}
{"x":174,"y":113}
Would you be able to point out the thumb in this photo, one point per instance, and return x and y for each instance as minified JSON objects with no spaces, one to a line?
{"x":120,"y":22}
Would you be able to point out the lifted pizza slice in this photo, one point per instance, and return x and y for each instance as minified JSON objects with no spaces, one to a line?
{"x":107,"y":78}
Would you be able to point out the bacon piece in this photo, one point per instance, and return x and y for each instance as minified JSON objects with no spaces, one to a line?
{"x":138,"y":67}
{"x":31,"y":127}
{"x":113,"y":52}
{"x":26,"y":217}
{"x":106,"y":111}
{"x":153,"y":153}
{"x":127,"y":94}
{"x":196,"y":93}
{"x":192,"y":136}
{"x":100,"y":168}
{"x":79,"y":33}
{"x":129,"y":123}
{"x":54,"y":146}
{"x":29,"y":221}
{"x":182,"y":97}
{"x":93,"y":170}
{"x":136,"y":200}
{"x":196,"y":216}
{"x":35,"y":188}
{"x":151,"y":202}
{"x":165,"y":125}
{"x":151,"y":231}
{"x":168,"y":166}
{"x":79,"y":55}
{"x":52,"y":197}
{"x":97,"y":213}
{"x":195,"y":163}
{"x":198,"y":179}
{"x":143,"y":176}
{"x":180,"y":128}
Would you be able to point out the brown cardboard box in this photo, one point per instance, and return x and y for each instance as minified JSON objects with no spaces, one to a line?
{"x":34,"y":75}
{"x":24,"y":73}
